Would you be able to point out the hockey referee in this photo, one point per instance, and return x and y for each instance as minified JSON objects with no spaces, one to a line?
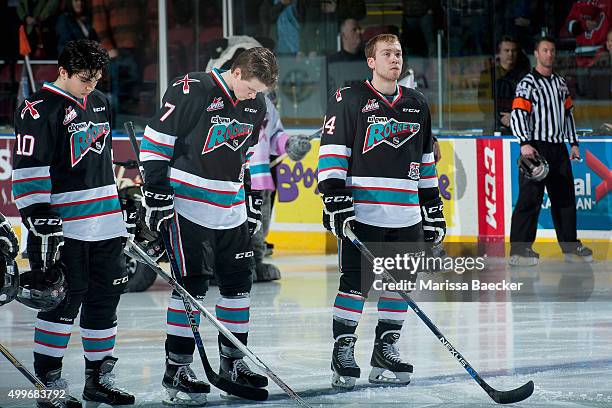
{"x":542,"y":119}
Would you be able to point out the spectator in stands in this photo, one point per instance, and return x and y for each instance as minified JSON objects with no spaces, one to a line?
{"x":352,"y":46}
{"x":511,"y":65}
{"x":39,"y":19}
{"x":518,"y":18}
{"x":468,"y":26}
{"x":120,"y":26}
{"x":588,"y":21}
{"x":74,"y":24}
{"x":419,"y":26}
{"x":279,"y":20}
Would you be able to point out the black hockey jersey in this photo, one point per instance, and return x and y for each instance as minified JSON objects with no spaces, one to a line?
{"x":199,"y":143}
{"x":382,"y":151}
{"x":63,"y":159}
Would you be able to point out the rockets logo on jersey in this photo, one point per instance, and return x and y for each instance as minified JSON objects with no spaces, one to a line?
{"x":394,"y":133}
{"x":216,"y":104}
{"x":29,"y":107}
{"x":226,"y":131}
{"x":86,"y":136}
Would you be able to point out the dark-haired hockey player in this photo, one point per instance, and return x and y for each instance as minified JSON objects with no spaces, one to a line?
{"x":376,"y":152}
{"x":64,"y":188}
{"x":194,"y":153}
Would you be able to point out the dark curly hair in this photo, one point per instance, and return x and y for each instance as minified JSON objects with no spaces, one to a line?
{"x":85,"y":57}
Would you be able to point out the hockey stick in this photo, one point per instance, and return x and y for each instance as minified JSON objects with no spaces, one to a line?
{"x":243,"y":391}
{"x":313,"y":135}
{"x":239,"y":390}
{"x":501,"y":397}
{"x":31,"y":377}
{"x":132,"y":249}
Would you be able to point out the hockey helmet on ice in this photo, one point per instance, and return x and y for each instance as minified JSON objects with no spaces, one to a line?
{"x":533,"y":168}
{"x":43,"y":291}
{"x":9,"y":279}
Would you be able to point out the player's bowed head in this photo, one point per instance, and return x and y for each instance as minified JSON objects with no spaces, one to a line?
{"x":254,"y":70}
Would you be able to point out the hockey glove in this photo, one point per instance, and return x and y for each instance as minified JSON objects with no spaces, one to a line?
{"x":157,"y":205}
{"x":45,"y":238}
{"x":254,"y":202}
{"x":297,"y":147}
{"x":9,"y":246}
{"x":338,"y":211}
{"x":130,"y":216}
{"x":434,"y":225}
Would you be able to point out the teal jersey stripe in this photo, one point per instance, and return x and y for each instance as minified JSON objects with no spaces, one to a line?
{"x":164,"y":150}
{"x":53,"y":339}
{"x":89,"y":208}
{"x":98,"y":345}
{"x":233,"y":315}
{"x":259,"y":169}
{"x":349,"y":303}
{"x":429,"y":170}
{"x":180,"y":317}
{"x":329,"y":162}
{"x":385,"y":196}
{"x":25,"y":187}
{"x":398,"y":306}
{"x":207,"y":195}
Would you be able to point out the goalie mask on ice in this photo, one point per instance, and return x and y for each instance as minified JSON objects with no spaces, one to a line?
{"x":533,"y":168}
{"x":43,"y":291}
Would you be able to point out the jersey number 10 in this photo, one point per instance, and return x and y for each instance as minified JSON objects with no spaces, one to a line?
{"x":25,"y":145}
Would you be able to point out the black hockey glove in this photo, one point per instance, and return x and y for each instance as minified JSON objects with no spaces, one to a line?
{"x":338,"y":211}
{"x":45,"y":238}
{"x":434,"y":225}
{"x":9,"y":246}
{"x":157,"y":205}
{"x":130,"y":216}
{"x":297,"y":147}
{"x":253,"y":204}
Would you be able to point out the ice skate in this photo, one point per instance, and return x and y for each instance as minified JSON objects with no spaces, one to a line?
{"x":53,"y":381}
{"x":581,"y":254}
{"x":183,"y":387}
{"x":386,"y":359}
{"x":99,"y":386}
{"x":234,"y":368}
{"x":343,"y":364}
{"x":528,"y":257}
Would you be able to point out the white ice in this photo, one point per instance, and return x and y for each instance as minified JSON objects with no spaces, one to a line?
{"x":564,"y":347}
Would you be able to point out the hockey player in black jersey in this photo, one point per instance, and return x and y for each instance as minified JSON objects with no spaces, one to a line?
{"x":194,"y":153}
{"x":377,"y":174}
{"x":64,"y":188}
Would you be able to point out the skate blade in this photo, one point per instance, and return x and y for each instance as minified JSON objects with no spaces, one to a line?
{"x":183,"y":399}
{"x":377,"y":376}
{"x":340,"y":382}
{"x":516,"y":260}
{"x":572,"y":258}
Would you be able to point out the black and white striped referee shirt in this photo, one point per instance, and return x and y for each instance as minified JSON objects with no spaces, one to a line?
{"x":543,"y":110}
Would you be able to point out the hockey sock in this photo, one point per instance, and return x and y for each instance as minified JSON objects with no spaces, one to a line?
{"x":234,"y":313}
{"x":179,"y":336}
{"x":50,"y":343}
{"x":98,"y":344}
{"x":347,"y":313}
{"x":392,"y":308}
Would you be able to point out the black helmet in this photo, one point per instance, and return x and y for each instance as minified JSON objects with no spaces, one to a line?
{"x":9,"y":279}
{"x":533,"y":168}
{"x":43,"y":291}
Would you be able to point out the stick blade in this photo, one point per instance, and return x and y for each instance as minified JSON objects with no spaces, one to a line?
{"x":512,"y":396}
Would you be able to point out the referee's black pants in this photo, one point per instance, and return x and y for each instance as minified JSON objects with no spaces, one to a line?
{"x":560,"y":187}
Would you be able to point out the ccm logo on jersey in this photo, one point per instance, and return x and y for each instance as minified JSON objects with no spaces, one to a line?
{"x":100,"y":109}
{"x":242,"y":255}
{"x":250,"y":110}
{"x":119,"y":281}
{"x":338,"y":199}
{"x":411,"y":110}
